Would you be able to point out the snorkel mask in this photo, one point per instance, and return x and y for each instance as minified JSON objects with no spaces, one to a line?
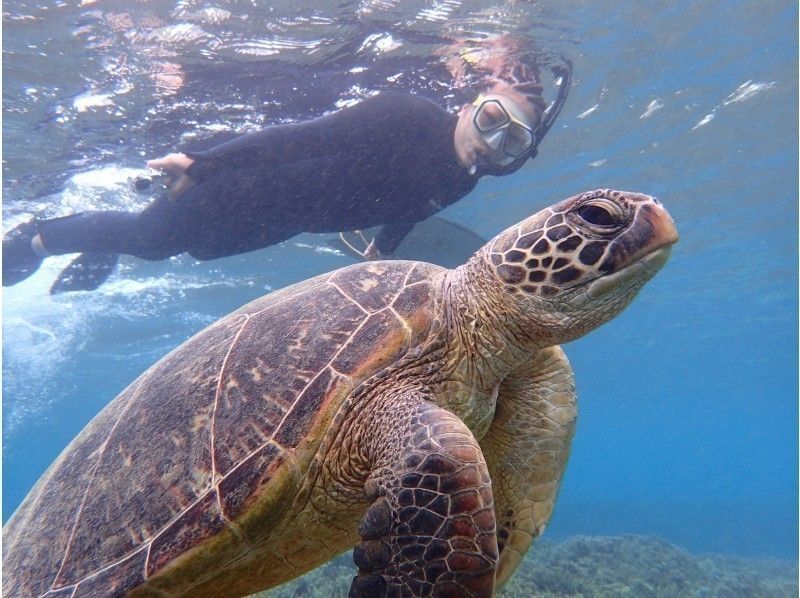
{"x":502,"y":123}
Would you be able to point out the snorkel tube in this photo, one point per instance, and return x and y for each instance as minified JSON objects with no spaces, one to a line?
{"x":562,"y":75}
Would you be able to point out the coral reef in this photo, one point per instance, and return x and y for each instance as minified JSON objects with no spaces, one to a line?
{"x":583,"y":566}
{"x":644,"y":567}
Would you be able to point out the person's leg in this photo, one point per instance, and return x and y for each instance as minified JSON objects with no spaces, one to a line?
{"x":152,"y":234}
{"x":214,"y":246}
{"x":224,"y":217}
{"x":108,"y":232}
{"x":232,"y":234}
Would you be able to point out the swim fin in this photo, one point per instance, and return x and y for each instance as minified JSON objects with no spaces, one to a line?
{"x":85,"y":273}
{"x":350,"y":242}
{"x":19,"y":260}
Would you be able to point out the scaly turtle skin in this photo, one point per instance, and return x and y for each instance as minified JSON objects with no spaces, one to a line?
{"x":420,"y":414}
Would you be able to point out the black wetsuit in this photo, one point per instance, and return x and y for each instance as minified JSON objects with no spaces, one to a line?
{"x":389,"y":160}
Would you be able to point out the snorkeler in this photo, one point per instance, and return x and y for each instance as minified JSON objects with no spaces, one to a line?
{"x":393,"y":159}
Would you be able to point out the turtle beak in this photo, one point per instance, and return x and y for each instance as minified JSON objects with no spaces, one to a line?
{"x":641,"y":252}
{"x":651,"y":236}
{"x":664,"y":230}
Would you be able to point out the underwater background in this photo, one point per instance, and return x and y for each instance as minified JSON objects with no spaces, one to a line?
{"x":688,"y":417}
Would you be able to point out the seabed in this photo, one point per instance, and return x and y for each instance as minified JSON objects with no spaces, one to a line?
{"x":582,"y":566}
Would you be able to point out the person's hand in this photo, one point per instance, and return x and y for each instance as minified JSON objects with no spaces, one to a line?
{"x":175,"y":167}
{"x":371,"y":253}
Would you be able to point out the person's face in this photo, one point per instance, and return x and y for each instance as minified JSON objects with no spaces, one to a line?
{"x":497,"y":128}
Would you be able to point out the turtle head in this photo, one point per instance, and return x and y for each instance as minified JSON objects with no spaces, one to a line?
{"x":577,"y":264}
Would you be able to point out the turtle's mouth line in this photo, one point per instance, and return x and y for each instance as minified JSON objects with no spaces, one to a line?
{"x":643,"y":268}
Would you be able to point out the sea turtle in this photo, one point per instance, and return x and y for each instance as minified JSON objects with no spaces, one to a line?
{"x":420,"y":414}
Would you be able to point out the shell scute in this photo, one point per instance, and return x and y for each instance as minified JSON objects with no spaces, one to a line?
{"x":413,"y":306}
{"x":143,"y":481}
{"x":238,"y":488}
{"x":372,"y":287}
{"x":256,"y":494}
{"x":277,"y":355}
{"x":306,"y":408}
{"x":61,"y":489}
{"x":371,"y":344}
{"x":116,"y":580}
{"x":422,"y":272}
{"x":200,"y":521}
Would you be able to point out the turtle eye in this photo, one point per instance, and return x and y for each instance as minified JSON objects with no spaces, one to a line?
{"x":597,"y":215}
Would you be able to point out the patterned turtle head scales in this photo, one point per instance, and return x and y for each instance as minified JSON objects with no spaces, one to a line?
{"x":577,"y":264}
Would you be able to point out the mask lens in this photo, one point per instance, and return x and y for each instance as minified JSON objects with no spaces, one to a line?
{"x":518,"y":140}
{"x":491,"y":115}
{"x":495,"y":139}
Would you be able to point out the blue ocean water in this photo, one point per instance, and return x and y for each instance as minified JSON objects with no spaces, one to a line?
{"x":688,"y":400}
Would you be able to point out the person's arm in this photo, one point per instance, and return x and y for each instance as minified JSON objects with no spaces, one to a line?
{"x":255,"y":150}
{"x":250,"y":152}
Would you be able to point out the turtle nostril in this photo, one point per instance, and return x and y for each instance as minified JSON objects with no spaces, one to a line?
{"x":655,"y":201}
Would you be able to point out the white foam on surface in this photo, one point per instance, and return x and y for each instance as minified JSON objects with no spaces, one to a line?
{"x":43,"y":333}
{"x":379,"y":43}
{"x":89,"y":100}
{"x":39,"y":334}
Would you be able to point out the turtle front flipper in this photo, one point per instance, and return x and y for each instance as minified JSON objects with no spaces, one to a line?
{"x":526,"y":450}
{"x":430,"y":528}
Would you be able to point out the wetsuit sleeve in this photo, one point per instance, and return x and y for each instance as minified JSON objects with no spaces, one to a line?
{"x":391,"y":235}
{"x":257,"y":149}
